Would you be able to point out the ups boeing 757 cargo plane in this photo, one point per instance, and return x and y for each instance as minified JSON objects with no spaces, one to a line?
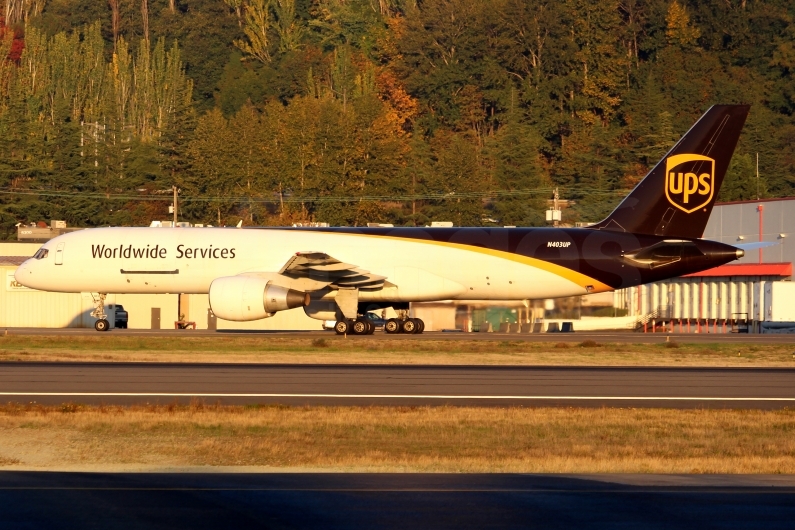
{"x":340,"y":273}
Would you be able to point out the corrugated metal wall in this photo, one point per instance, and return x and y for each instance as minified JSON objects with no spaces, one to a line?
{"x":698,"y":298}
{"x":728,"y":223}
{"x":722,"y":298}
{"x":139,"y":307}
{"x":22,"y":307}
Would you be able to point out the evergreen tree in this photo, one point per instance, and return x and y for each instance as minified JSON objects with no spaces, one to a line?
{"x":741,"y":183}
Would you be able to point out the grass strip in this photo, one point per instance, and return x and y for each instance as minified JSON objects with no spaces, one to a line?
{"x":428,"y":439}
{"x":338,"y":350}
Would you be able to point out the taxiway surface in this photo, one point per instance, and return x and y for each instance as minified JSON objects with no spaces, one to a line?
{"x":65,"y":501}
{"x":607,"y":336}
{"x":302,"y":384}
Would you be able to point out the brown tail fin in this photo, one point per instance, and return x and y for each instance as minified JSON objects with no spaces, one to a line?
{"x":675,"y":198}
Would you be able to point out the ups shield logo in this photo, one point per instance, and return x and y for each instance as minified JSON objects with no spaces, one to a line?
{"x":689,"y":181}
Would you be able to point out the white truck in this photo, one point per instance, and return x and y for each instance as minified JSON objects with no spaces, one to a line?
{"x":779,"y":308}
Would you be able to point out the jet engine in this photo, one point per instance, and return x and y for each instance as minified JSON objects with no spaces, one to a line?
{"x":244,"y":298}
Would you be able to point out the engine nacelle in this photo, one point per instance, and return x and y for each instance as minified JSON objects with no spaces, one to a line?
{"x":322,"y":310}
{"x":244,"y":298}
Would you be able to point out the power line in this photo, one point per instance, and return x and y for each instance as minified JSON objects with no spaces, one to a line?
{"x":310,"y":199}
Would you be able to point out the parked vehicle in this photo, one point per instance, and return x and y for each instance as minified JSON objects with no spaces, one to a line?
{"x":377,"y":320}
{"x":121,"y":317}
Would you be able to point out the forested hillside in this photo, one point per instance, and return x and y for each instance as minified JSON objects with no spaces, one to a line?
{"x":355,"y":111}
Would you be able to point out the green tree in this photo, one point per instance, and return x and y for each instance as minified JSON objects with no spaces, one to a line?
{"x":741,"y":182}
{"x":679,"y":30}
{"x":518,"y":167}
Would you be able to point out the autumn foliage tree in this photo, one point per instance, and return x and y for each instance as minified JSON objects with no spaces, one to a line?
{"x":356,"y":111}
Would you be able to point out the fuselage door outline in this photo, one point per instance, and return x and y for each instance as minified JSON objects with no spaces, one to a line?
{"x":59,"y":253}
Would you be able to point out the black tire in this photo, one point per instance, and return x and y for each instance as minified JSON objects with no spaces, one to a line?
{"x":102,"y":325}
{"x":341,"y":327}
{"x":370,"y":326}
{"x":392,"y":326}
{"x":409,"y":326}
{"x":360,"y":327}
{"x":421,"y":326}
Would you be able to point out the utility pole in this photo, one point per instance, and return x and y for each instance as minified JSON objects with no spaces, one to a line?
{"x":760,"y":208}
{"x":174,"y":189}
{"x":555,"y":207}
{"x":553,"y":216}
{"x":757,"y":176}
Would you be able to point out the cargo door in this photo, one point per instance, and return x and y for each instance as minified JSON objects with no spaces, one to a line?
{"x":59,"y":253}
{"x":147,"y":265}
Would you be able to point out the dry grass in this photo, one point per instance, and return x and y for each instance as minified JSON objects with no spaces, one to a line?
{"x":333,"y":349}
{"x":449,"y":439}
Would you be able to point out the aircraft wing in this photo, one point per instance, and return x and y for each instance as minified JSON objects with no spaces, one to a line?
{"x":320,"y":267}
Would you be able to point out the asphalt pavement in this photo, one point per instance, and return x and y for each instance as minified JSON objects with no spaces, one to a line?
{"x":85,"y":501}
{"x":606,"y":336}
{"x":303,"y":384}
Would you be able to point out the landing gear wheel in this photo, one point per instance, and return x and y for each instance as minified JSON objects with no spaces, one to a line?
{"x":102,"y":323}
{"x":360,"y":327}
{"x":421,"y":325}
{"x":409,"y":326}
{"x":341,"y":327}
{"x":392,"y":326}
{"x":370,"y":326}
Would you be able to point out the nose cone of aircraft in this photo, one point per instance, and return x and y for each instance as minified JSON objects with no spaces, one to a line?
{"x":24,"y":274}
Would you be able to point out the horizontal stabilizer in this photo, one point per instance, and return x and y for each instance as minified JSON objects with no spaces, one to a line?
{"x":757,"y":245}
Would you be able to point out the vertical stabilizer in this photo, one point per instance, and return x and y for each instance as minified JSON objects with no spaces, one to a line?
{"x":675,"y":198}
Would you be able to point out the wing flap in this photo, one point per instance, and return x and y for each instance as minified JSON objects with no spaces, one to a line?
{"x":320,"y":267}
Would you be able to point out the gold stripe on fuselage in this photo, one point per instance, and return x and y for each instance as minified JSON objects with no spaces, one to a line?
{"x":575,"y":277}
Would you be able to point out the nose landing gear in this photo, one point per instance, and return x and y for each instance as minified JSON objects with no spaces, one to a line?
{"x":102,"y":323}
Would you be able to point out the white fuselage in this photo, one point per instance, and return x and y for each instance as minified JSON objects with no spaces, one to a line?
{"x":187,"y":260}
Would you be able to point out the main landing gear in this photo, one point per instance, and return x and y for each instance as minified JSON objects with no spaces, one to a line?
{"x":408,"y":325}
{"x":365,"y":326}
{"x":102,"y":323}
{"x":360,"y":326}
{"x":404,"y":324}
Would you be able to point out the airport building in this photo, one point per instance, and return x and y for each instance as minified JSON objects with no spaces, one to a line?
{"x":732,"y":294}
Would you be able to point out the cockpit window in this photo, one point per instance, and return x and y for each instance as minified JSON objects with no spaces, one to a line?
{"x":41,"y":254}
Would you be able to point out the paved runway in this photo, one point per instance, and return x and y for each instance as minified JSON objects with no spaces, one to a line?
{"x":65,"y":501}
{"x":127,"y":383}
{"x":607,"y":336}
